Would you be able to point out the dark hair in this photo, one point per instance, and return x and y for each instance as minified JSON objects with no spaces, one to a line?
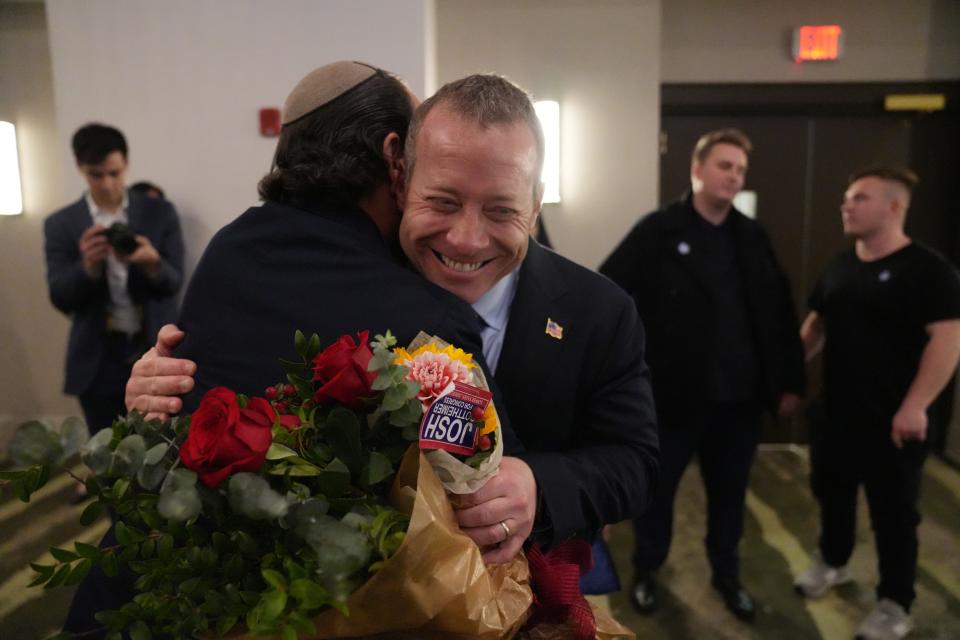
{"x":147,"y":189}
{"x":93,"y":142}
{"x":721,"y":136}
{"x":334,"y":154}
{"x":894,"y":174}
{"x":487,"y":99}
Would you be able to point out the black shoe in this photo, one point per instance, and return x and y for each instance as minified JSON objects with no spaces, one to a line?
{"x":643,"y":596}
{"x":736,"y":598}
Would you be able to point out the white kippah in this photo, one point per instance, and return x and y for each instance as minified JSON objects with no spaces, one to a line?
{"x":322,"y":85}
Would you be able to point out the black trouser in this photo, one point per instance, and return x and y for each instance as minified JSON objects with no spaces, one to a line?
{"x":103,"y":401}
{"x":845,"y":455}
{"x":725,"y":441}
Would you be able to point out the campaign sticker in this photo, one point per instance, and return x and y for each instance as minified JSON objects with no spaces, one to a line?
{"x":450,"y":422}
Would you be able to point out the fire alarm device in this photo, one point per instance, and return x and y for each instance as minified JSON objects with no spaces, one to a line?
{"x":270,"y":122}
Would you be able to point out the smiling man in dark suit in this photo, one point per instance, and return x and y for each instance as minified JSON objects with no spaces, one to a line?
{"x":566,"y":345}
{"x":114,"y":294}
{"x":723,"y":344}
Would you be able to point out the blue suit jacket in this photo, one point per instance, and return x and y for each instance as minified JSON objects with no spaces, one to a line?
{"x":276,"y":269}
{"x":86,"y":300}
{"x":581,"y":405}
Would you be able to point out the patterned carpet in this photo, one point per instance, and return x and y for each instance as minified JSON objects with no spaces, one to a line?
{"x":780,"y":530}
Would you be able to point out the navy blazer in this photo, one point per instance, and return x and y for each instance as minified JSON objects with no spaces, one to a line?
{"x":581,"y":403}
{"x":276,"y":269}
{"x":660,"y":266}
{"x":85,"y":300}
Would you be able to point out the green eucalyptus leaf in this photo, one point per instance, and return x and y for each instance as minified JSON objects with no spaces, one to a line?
{"x":155,"y":453}
{"x":151,"y":475}
{"x":394,"y":398}
{"x":73,"y":435}
{"x":409,"y":414}
{"x":377,"y":469}
{"x":411,"y":388}
{"x":179,"y":479}
{"x":34,"y":443}
{"x":250,"y":495}
{"x":383,"y":381}
{"x":180,"y":505}
{"x":129,"y":455}
{"x":96,"y":452}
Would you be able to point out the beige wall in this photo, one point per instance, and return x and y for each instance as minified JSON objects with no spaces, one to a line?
{"x":600,"y":60}
{"x":33,"y":336}
{"x":749,"y":40}
{"x":184,"y":81}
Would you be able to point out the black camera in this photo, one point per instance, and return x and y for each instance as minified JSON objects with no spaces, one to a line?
{"x":121,"y":238}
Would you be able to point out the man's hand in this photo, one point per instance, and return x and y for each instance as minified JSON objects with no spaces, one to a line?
{"x":909,"y":423}
{"x":157,"y":378}
{"x":94,"y":249}
{"x":789,"y":403}
{"x":145,"y":256}
{"x":509,"y":497}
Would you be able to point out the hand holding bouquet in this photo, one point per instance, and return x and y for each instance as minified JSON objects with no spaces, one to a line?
{"x":285,"y":514}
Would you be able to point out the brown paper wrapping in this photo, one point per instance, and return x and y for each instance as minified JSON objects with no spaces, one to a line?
{"x":436,"y":583}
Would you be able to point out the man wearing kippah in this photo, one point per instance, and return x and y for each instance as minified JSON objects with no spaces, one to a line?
{"x":473,"y":194}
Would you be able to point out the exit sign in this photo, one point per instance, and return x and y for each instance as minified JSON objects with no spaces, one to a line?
{"x":817,"y":42}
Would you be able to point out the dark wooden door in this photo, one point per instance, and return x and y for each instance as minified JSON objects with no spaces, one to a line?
{"x":805,"y":147}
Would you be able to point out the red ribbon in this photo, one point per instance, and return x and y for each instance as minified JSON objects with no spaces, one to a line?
{"x":555,"y":578}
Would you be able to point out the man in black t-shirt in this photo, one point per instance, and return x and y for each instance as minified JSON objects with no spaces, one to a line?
{"x":887,"y":316}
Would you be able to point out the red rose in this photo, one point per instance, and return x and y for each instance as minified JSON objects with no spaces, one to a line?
{"x":225,"y":439}
{"x":341,"y":369}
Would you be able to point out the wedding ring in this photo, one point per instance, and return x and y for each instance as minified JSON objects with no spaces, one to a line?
{"x":506,"y":529}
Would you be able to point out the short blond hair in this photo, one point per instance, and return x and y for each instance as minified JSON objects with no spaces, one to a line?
{"x":721,"y":136}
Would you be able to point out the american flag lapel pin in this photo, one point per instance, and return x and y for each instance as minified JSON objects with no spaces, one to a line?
{"x":554,"y":330}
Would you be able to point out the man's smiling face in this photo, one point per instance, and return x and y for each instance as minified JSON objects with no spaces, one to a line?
{"x":472,"y":200}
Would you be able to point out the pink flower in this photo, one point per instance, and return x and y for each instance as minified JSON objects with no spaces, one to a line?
{"x":434,"y":371}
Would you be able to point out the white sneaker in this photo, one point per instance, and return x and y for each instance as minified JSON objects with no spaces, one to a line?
{"x":887,"y":621}
{"x":819,"y":578}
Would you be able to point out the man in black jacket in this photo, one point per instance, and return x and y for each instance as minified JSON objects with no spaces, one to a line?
{"x":723,"y":343}
{"x":574,"y":376}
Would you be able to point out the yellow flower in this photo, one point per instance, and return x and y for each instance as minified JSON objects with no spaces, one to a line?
{"x":490,"y":419}
{"x":455,"y":354}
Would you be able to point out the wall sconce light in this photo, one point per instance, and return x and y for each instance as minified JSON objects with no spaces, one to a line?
{"x":549,"y":113}
{"x":11,"y":198}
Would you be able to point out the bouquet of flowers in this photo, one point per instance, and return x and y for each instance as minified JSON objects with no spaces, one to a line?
{"x":304,"y":511}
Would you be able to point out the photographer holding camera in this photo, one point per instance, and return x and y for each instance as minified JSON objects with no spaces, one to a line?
{"x":114,"y":265}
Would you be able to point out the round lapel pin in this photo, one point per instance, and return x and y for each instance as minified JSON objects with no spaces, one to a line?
{"x":884,"y":275}
{"x":683,"y":248}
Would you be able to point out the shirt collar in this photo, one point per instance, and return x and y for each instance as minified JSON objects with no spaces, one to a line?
{"x":96,"y":210}
{"x":494,"y":306}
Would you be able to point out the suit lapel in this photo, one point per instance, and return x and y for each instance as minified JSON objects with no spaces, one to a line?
{"x":529,"y":353}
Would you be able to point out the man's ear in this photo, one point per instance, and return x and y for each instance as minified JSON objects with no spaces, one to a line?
{"x":396,"y":169}
{"x":538,"y":190}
